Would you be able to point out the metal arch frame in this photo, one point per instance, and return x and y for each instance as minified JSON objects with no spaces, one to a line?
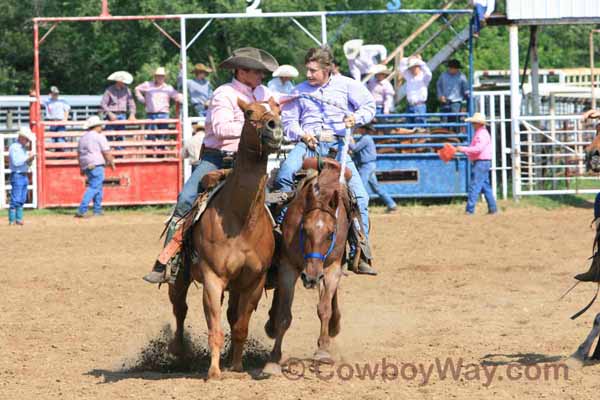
{"x":184,"y":45}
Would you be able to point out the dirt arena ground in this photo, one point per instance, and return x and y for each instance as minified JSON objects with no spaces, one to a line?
{"x":77,"y":321}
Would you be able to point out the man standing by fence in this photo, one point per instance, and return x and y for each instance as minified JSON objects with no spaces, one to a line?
{"x":199,"y":88}
{"x":156,"y":95}
{"x":452,"y":90}
{"x":19,"y":161}
{"x":417,"y":75}
{"x":56,"y":110}
{"x":117,"y":102}
{"x":93,"y":153}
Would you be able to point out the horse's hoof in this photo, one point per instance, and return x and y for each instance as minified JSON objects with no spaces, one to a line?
{"x":270,"y":329}
{"x":214,"y":373}
{"x":575,"y":362}
{"x":272,"y":369}
{"x":237,"y":368}
{"x":176,"y":348}
{"x":323,"y":357}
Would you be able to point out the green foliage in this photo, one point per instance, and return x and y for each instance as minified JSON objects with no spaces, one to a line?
{"x":78,"y":56}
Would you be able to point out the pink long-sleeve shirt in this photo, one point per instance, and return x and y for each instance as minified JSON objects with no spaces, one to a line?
{"x":383,"y":92}
{"x":156,"y":97}
{"x":225,"y":119}
{"x":480,"y":147}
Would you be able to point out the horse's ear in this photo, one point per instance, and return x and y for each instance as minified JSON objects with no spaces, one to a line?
{"x":334,"y":201}
{"x":274,"y":106}
{"x":245,"y":108}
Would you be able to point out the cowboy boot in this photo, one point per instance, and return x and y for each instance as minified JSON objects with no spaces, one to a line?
{"x":159,"y":270}
{"x":592,"y":274}
{"x":19,"y":216}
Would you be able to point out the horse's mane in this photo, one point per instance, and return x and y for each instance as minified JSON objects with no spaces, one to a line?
{"x":328,"y":182}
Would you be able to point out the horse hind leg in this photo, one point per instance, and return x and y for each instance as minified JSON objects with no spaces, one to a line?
{"x":270,"y":324}
{"x":583,"y":351}
{"x":247,"y":303}
{"x":178,"y":295}
{"x":232,"y":314}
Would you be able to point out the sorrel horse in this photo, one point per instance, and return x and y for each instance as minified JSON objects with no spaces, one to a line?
{"x":314,"y":231}
{"x":233,"y":242}
{"x":592,"y":151}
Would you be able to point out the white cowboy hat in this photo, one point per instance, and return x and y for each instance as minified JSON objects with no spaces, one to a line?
{"x":121,"y":76}
{"x":286,"y":71}
{"x":352,"y":48}
{"x":379,"y":69}
{"x":160,"y":71}
{"x":26,"y":133}
{"x":54,"y":90}
{"x":413,"y":62}
{"x":92,"y":122}
{"x":477,"y":118}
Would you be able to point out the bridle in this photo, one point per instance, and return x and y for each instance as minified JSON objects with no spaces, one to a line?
{"x":258,"y":125}
{"x":315,"y":255}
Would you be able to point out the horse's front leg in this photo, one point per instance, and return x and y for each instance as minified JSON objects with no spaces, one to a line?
{"x":281,"y":318}
{"x":178,"y":294}
{"x":327,"y":291}
{"x":211,"y":297}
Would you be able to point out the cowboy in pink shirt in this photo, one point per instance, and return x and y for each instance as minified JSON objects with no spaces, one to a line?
{"x":381,"y":89}
{"x":157,"y":95}
{"x":480,"y":152}
{"x":224,"y":122}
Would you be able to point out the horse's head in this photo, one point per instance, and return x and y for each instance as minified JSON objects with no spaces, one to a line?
{"x":318,"y":232}
{"x":262,"y":131}
{"x":592,"y":155}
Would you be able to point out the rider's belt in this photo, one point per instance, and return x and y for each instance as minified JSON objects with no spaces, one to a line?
{"x":327,"y":136}
{"x":208,"y":150}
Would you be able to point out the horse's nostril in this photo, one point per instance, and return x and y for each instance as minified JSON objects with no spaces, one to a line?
{"x":271,"y":124}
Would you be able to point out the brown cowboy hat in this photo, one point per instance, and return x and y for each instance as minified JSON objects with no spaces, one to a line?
{"x":201,"y":68}
{"x":250,"y":58}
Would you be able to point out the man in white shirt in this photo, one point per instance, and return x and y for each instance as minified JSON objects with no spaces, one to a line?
{"x":483,"y":10}
{"x":417,"y":75}
{"x":361,"y":58}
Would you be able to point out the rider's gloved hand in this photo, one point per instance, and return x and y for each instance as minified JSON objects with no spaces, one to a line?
{"x":310,"y":140}
{"x":350,"y":121}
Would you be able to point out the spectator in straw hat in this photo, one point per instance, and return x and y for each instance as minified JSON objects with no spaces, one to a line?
{"x":417,"y":75}
{"x":282,"y":79}
{"x":93,"y":153}
{"x":381,"y":89}
{"x":57,"y":110}
{"x":223,"y":127}
{"x":19,"y":160}
{"x":480,"y":153}
{"x":117,"y":102}
{"x":156,"y":95}
{"x":361,"y":58}
{"x":199,"y":88}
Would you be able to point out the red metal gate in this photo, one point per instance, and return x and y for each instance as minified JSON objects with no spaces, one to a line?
{"x":148,"y":166}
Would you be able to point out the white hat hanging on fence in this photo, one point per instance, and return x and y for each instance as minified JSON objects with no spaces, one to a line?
{"x":379,"y":69}
{"x":286,"y":71}
{"x":121,"y":76}
{"x":352,"y":48}
{"x":92,"y":122}
{"x":26,"y":133}
{"x":477,"y":118}
{"x":160,"y":71}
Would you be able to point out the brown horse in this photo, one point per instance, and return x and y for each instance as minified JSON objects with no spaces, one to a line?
{"x":314,"y":230}
{"x":233,"y":241}
{"x":592,"y":151}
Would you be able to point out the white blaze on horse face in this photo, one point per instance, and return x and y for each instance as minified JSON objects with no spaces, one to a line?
{"x":320,"y":224}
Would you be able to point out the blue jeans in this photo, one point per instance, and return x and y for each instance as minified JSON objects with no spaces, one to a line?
{"x":379,"y":110}
{"x":451,"y":108}
{"x":293,"y":163}
{"x":94,"y":191}
{"x":416,"y":109}
{"x":18,"y":193}
{"x":200,"y":110}
{"x":120,"y":117}
{"x":369,"y":179}
{"x":158,"y":126}
{"x":191,"y":188}
{"x":480,"y":182}
{"x":478,"y":17}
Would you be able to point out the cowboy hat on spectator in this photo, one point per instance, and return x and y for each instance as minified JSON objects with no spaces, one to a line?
{"x":352,"y":48}
{"x":250,"y":58}
{"x":201,"y":68}
{"x":160,"y":71}
{"x":379,"y":69}
{"x":285,"y":71}
{"x":54,"y":90}
{"x":26,"y":133}
{"x":121,"y":76}
{"x":413,"y":62}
